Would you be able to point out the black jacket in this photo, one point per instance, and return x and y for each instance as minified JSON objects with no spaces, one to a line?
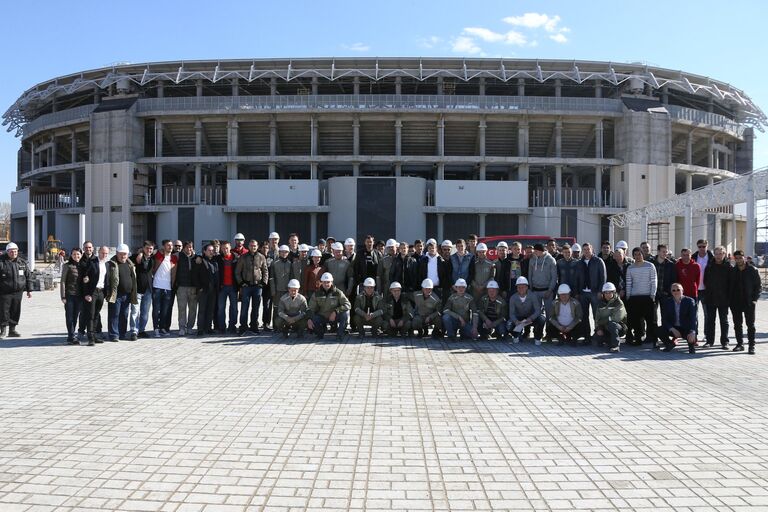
{"x":617,"y":274}
{"x":405,"y":270}
{"x":206,"y":275}
{"x":90,"y":277}
{"x":184,"y":270}
{"x":666,"y":272}
{"x":746,"y":287}
{"x":14,"y":275}
{"x":143,"y":273}
{"x":359,"y":270}
{"x":718,"y":282}
{"x":443,"y":271}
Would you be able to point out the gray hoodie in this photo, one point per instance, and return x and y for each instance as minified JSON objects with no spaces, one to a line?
{"x":542,"y":272}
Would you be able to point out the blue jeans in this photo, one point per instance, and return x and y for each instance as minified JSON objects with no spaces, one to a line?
{"x":118,"y":316}
{"x":161,"y":307}
{"x":501,"y":329}
{"x":247,"y":293}
{"x":452,"y":325}
{"x":72,"y":312}
{"x":140,"y":312}
{"x":227,"y":292}
{"x":321,"y":323}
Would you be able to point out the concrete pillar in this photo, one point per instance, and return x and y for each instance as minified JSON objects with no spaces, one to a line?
{"x":314,"y":86}
{"x":522,"y":138}
{"x":599,"y":139}
{"x":158,"y":138}
{"x":96,"y":95}
{"x":665,"y":94}
{"x":398,"y":85}
{"x":313,"y":227}
{"x":272,"y":171}
{"x":356,"y":169}
{"x":356,"y":135}
{"x":441,"y":171}
{"x":521,"y":86}
{"x":198,"y":137}
{"x":73,"y":146}
{"x":441,"y":136}
{"x":232,"y":137}
{"x":439,"y":85}
{"x":481,"y":224}
{"x":54,"y":180}
{"x":711,"y":151}
{"x":481,"y":136}
{"x":558,"y":138}
{"x":31,"y":236}
{"x":398,"y":136}
{"x":273,"y":86}
{"x":235,"y":86}
{"x":689,"y":149}
{"x":734,"y":233}
{"x":611,"y":235}
{"x":81,"y":229}
{"x":198,"y":183}
{"x":199,"y":87}
{"x":161,"y":88}
{"x":688,"y":182}
{"x":313,"y":135}
{"x":558,"y":88}
{"x":598,"y":89}
{"x":599,"y":186}
{"x":120,"y":233}
{"x":440,"y":221}
{"x":73,"y":188}
{"x":644,"y":229}
{"x":558,"y":185}
{"x":710,"y":180}
{"x":522,"y":172}
{"x":159,"y":184}
{"x":717,"y":159}
{"x":481,"y":85}
{"x":32,"y":165}
{"x":52,"y":160}
{"x":749,"y":239}
{"x":398,"y":169}
{"x":356,"y":86}
{"x":481,"y":171}
{"x":687,"y":227}
{"x":313,"y":171}
{"x":272,"y":222}
{"x":273,"y":137}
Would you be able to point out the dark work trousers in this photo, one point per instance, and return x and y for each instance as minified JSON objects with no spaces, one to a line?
{"x":744,"y":314}
{"x":712,"y":312}
{"x":266,"y":315}
{"x":206,"y":309}
{"x":641,"y":319}
{"x":86,"y":313}
{"x":10,"y":309}
{"x":71,"y":313}
{"x":92,"y":311}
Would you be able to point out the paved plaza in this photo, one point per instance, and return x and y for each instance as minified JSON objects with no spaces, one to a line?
{"x":261,"y":423}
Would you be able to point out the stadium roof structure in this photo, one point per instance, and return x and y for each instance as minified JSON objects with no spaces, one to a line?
{"x":248,"y":70}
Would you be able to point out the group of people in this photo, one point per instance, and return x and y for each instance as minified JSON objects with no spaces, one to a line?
{"x":568,"y":294}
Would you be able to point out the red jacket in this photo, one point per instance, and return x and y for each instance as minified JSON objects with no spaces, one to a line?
{"x":311,"y":282}
{"x":689,"y":276}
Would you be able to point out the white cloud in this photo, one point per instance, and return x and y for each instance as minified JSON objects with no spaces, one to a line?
{"x":516,"y":38}
{"x":465,"y":45}
{"x":485,"y":34}
{"x":356,"y":47}
{"x":534,"y":20}
{"x":559,"y":38}
{"x":430,"y":42}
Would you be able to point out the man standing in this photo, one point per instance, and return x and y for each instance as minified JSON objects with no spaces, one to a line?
{"x":341,"y":269}
{"x":366,"y":263}
{"x":717,"y":279}
{"x":88,"y":258}
{"x":746,"y":292}
{"x":279,"y":275}
{"x":14,"y":281}
{"x":641,"y":293}
{"x":227,"y":290}
{"x":666,"y":273}
{"x":688,"y":275}
{"x":703,"y":256}
{"x":186,"y":289}
{"x":594,"y":278}
{"x":616,"y":271}
{"x":206,"y":277}
{"x":569,"y":271}
{"x":516,"y":261}
{"x":252,"y":275}
{"x":405,"y":270}
{"x":385,"y":264}
{"x":164,"y":271}
{"x":271,"y":256}
{"x":120,"y":293}
{"x":542,"y":276}
{"x":503,"y":266}
{"x":432,"y":266}
{"x":239,"y":249}
{"x":94,"y":279}
{"x":142,"y":265}
{"x":461,"y":263}
{"x":484,"y":271}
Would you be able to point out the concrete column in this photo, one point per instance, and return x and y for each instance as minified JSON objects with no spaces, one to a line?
{"x":521,"y":86}
{"x":232,"y":137}
{"x":356,"y":135}
{"x":272,"y":171}
{"x":482,"y":171}
{"x":558,"y":88}
{"x":440,"y":221}
{"x":687,"y":227}
{"x":73,"y":146}
{"x":159,"y":184}
{"x":441,"y":136}
{"x":273,"y":137}
{"x":558,"y":138}
{"x":96,"y":95}
{"x":717,"y":159}
{"x":198,"y":137}
{"x":398,"y":169}
{"x":73,"y":188}
{"x":664,"y":94}
{"x":120,"y":233}
{"x":522,"y":172}
{"x":611,"y":235}
{"x":356,"y":169}
{"x":31,"y":236}
{"x":688,"y":182}
{"x":522,"y":138}
{"x":198,"y":183}
{"x":644,"y":229}
{"x":356,"y":86}
{"x":161,"y":88}
{"x":273,"y":86}
{"x":314,"y":86}
{"x":398,"y":136}
{"x":481,"y":136}
{"x":558,"y":185}
{"x":711,"y":151}
{"x":313,"y":227}
{"x":439,"y":85}
{"x":441,"y":171}
{"x":749,"y":239}
{"x":481,"y":224}
{"x":272,"y":222}
{"x":81,"y":229}
{"x":481,"y":85}
{"x":599,"y":186}
{"x":52,"y":160}
{"x":54,"y":180}
{"x":598,"y":89}
{"x":599,"y":139}
{"x":235,"y":86}
{"x":158,"y":138}
{"x":313,"y":171}
{"x":734,"y":233}
{"x":313,"y":135}
{"x":710,"y":180}
{"x":398,"y":85}
{"x":689,"y":149}
{"x":198,"y":87}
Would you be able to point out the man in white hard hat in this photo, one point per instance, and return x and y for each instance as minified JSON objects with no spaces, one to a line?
{"x":459,"y":312}
{"x":120,"y":292}
{"x":368,"y":310}
{"x":292,"y":311}
{"x":340,"y":268}
{"x":349,"y":250}
{"x":14,"y":281}
{"x":576,"y":251}
{"x":239,"y":248}
{"x":279,"y":274}
{"x":565,"y":319}
{"x":385,"y":263}
{"x":492,"y":313}
{"x":273,"y":242}
{"x":525,"y":311}
{"x":427,"y":311}
{"x":611,"y":318}
{"x":398,"y":311}
{"x":328,"y":306}
{"x":483,"y":271}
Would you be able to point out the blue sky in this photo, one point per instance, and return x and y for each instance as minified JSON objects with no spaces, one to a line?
{"x":48,"y":39}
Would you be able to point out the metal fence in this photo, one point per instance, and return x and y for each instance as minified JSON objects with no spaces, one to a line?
{"x":71,"y":114}
{"x":699,"y":116}
{"x":55,"y":201}
{"x":183,"y":195}
{"x":576,"y":197}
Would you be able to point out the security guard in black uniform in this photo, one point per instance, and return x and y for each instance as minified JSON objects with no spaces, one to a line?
{"x":14,"y":281}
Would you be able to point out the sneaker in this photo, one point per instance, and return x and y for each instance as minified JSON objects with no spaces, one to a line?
{"x":614,"y":349}
{"x":751,"y":351}
{"x":157,"y":333}
{"x":165,"y":333}
{"x":182,"y":332}
{"x":143,"y":335}
{"x":537,"y":342}
{"x":738,"y":348}
{"x":134,"y":337}
{"x":13,"y":333}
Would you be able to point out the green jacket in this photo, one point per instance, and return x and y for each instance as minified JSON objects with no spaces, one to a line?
{"x":460,"y":306}
{"x":499,"y":306}
{"x":324,"y":302}
{"x":611,"y":311}
{"x":426,"y":308}
{"x":279,"y":275}
{"x":377,"y":302}
{"x":291,"y":308}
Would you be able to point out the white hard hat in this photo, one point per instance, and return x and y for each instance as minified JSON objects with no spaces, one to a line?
{"x":492,"y":284}
{"x":460,"y":282}
{"x":621,"y":244}
{"x":283,"y":248}
{"x":563,"y":289}
{"x":274,"y":235}
{"x":303,"y":248}
{"x":326,"y":278}
{"x":391,"y":243}
{"x":427,"y":283}
{"x":502,"y":244}
{"x":446,"y":243}
{"x":316,"y":252}
{"x":336,"y":246}
{"x":521,"y":280}
{"x":481,"y":247}
{"x":395,"y":286}
{"x":349,"y":241}
{"x":10,"y":246}
{"x":369,"y":282}
{"x":123,"y":248}
{"x":431,"y":241}
{"x":576,"y":248}
{"x":609,"y":287}
{"x":239,"y":236}
{"x":294,"y":283}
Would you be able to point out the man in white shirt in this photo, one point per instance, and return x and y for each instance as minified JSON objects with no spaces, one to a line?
{"x":164,"y":270}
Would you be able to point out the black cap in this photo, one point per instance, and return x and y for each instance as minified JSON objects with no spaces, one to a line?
{"x":538,"y":247}
{"x":321,"y":241}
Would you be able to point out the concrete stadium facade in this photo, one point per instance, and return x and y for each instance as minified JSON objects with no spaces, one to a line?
{"x":404,"y":148}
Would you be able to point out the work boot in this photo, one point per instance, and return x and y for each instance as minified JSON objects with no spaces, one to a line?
{"x":739,"y":347}
{"x":13,"y":333}
{"x":751,"y":349}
